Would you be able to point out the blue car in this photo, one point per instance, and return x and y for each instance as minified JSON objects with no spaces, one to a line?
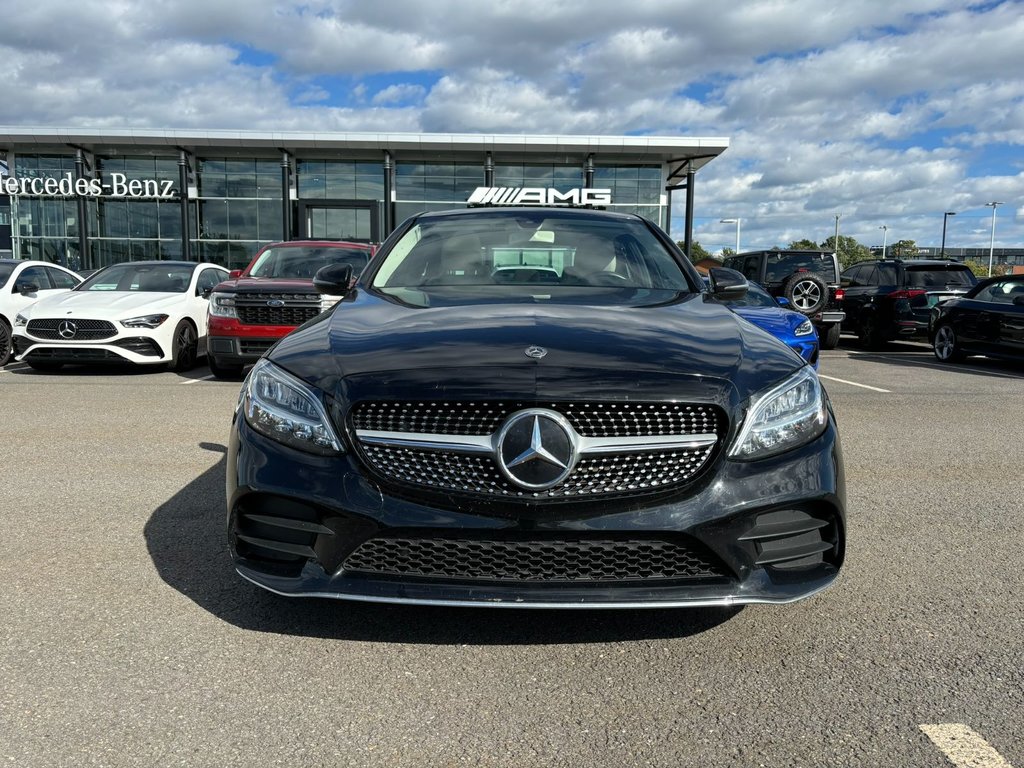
{"x":788,"y":326}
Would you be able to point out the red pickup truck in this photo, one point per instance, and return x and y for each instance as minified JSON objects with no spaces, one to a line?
{"x":270,"y":298}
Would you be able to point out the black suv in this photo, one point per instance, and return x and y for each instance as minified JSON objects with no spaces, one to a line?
{"x":808,"y":280}
{"x":892,"y":298}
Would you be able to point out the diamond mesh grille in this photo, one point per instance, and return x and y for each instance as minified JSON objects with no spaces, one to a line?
{"x":87,"y":330}
{"x":588,"y":419}
{"x":555,"y":560}
{"x":594,"y":475}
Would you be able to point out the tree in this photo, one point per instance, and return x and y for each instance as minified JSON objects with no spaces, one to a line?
{"x":849,"y":250}
{"x":697,"y":252}
{"x":727,"y":252}
{"x":803,"y":245}
{"x":904,"y":249}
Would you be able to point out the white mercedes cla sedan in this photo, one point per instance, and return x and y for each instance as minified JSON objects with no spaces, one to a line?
{"x":143,"y":312}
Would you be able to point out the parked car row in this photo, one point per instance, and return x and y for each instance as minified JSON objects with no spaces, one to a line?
{"x":172,"y":313}
{"x":884,"y":300}
{"x":164,"y":312}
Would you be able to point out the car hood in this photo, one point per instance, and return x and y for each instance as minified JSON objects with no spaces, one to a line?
{"x":778,"y":322}
{"x":105,"y":304}
{"x":373,"y":347}
{"x":266,"y":284}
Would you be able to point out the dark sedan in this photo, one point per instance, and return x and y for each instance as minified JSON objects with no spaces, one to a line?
{"x":535,"y":407}
{"x":988,"y":320}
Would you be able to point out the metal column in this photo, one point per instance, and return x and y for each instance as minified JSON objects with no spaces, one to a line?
{"x":286,"y":197}
{"x":489,"y":171}
{"x":186,"y":240}
{"x":588,"y":172}
{"x":389,"y":212}
{"x":84,"y":257}
{"x":688,"y":237}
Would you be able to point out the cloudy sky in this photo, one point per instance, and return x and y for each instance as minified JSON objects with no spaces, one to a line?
{"x":887,"y":112}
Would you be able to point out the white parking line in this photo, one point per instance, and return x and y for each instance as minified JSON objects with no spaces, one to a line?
{"x":964,"y":746}
{"x":201,"y":378}
{"x":14,"y":367}
{"x":854,"y":384}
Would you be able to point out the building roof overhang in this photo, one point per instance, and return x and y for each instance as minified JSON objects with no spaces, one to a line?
{"x":677,"y":151}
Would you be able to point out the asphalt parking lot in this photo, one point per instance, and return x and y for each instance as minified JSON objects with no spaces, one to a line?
{"x":128,"y":640}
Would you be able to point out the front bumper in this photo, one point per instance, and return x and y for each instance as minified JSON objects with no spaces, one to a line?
{"x":239,"y":350}
{"x":829,"y":317}
{"x":771,"y":531}
{"x":137,"y":348}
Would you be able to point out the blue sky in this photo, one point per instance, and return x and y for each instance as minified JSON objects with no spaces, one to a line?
{"x":886,"y":113}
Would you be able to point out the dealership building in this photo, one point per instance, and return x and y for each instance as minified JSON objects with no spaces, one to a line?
{"x":87,"y":198}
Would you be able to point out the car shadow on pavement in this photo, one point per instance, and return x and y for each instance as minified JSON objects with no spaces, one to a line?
{"x":187,"y":541}
{"x":972,"y":366}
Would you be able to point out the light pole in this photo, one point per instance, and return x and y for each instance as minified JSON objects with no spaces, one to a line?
{"x":885,"y":235}
{"x":992,"y":238}
{"x":737,"y":223}
{"x":945,"y":218}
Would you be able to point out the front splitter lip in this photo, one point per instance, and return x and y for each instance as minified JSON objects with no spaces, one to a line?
{"x":724,"y":601}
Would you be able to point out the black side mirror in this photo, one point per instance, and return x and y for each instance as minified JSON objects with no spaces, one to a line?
{"x":1018,"y":301}
{"x":205,"y":293}
{"x":334,"y":279}
{"x":26,"y":288}
{"x":727,"y":283}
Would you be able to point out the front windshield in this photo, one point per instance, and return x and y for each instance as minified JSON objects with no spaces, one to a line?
{"x":754,"y":297}
{"x":530,"y":256}
{"x":144,"y":278}
{"x":5,"y":272}
{"x":303,"y":262}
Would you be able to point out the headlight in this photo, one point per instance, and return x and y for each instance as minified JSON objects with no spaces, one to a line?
{"x":145,"y":321}
{"x":20,"y":321}
{"x":223,"y":305}
{"x":782,"y":418}
{"x":285,"y":409}
{"x":806,"y":328}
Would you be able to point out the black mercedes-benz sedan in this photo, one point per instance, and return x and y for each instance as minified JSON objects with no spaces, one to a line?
{"x":535,"y":407}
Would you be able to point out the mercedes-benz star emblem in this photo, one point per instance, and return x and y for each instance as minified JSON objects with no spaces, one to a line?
{"x":536,"y":352}
{"x":537,"y":448}
{"x":67,"y":329}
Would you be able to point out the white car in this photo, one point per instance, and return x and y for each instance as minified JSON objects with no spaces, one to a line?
{"x":23,"y":282}
{"x":143,"y":312}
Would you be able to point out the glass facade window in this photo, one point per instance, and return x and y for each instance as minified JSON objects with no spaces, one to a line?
{"x":340,"y":179}
{"x":239,"y":208}
{"x":635,"y":189}
{"x":561,"y":177}
{"x":237,"y":201}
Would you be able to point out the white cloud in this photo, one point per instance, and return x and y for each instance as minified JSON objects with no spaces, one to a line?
{"x":885,"y":112}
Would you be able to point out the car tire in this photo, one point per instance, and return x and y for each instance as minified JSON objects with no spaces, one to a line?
{"x":869,"y":334}
{"x":184,"y":347}
{"x":44,"y":366}
{"x":946,"y":346}
{"x":806,"y":293}
{"x":226,"y":372}
{"x":6,"y":345}
{"x":830,"y":338}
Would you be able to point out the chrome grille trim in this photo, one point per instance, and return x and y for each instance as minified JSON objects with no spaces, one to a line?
{"x":645,"y":457}
{"x":485,"y":444}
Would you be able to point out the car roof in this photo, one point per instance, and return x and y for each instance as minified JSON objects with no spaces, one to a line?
{"x":164,"y":263}
{"x":500,"y":210}
{"x":318,"y":244}
{"x":922,"y":262}
{"x":32,"y":261}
